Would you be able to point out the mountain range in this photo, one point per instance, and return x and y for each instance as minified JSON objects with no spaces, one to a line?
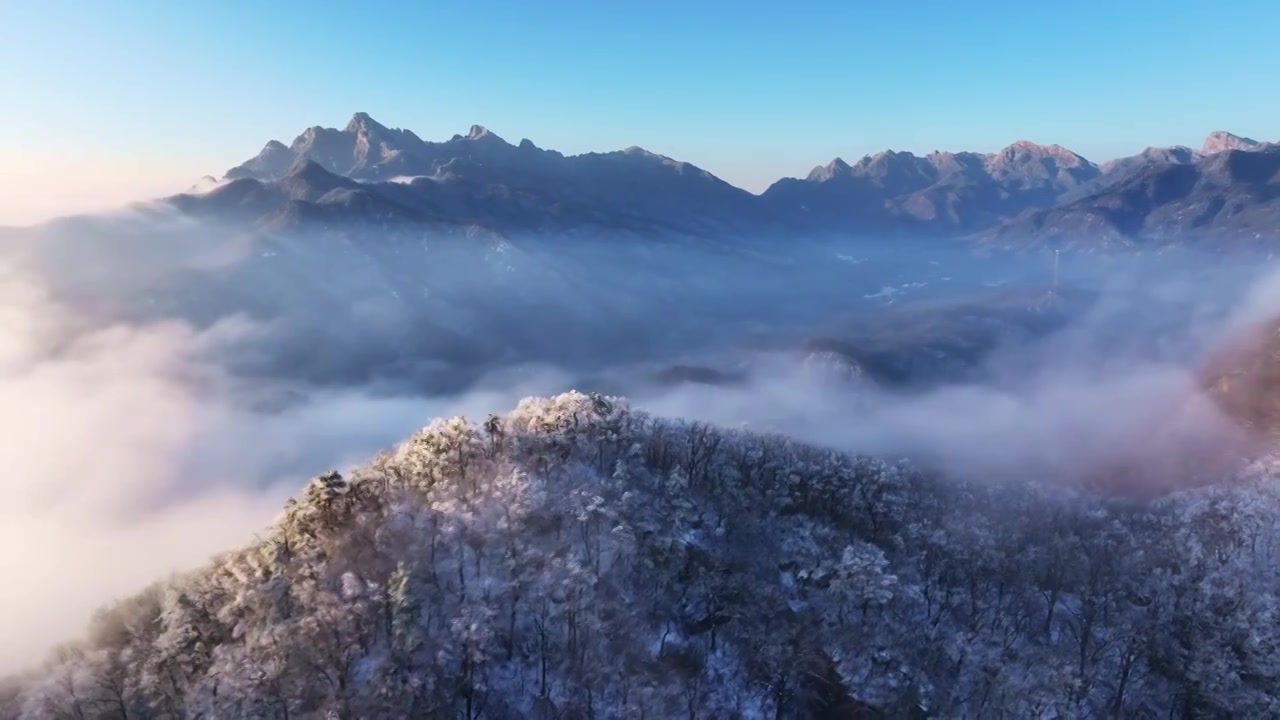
{"x":367,"y":171}
{"x":1024,"y":193}
{"x":1231,"y":196}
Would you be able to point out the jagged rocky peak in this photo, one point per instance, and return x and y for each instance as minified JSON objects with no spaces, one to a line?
{"x":309,"y":135}
{"x":836,"y":168}
{"x":889,"y":162}
{"x":482,"y":134}
{"x":1221,"y":140}
{"x":1175,"y":154}
{"x":1028,"y":165}
{"x":886,"y":156}
{"x":956,"y":162}
{"x":1256,"y":166}
{"x":640,"y":156}
{"x":1023,"y":150}
{"x":1175,"y":151}
{"x":330,"y":145}
{"x":361,"y":123}
{"x":271,"y":162}
{"x":897,"y":172}
{"x":479,"y":135}
{"x":880,"y":158}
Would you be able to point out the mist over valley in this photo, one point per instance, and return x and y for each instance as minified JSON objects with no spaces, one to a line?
{"x":962,"y":435}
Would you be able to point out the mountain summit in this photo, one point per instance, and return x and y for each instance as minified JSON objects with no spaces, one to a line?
{"x":1221,"y":140}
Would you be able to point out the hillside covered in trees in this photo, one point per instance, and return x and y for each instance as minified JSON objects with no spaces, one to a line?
{"x":579,"y":559}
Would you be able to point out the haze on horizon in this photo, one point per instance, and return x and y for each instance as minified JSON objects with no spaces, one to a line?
{"x":129,"y":103}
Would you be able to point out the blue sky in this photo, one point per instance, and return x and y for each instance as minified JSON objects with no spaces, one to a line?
{"x":112,"y":101}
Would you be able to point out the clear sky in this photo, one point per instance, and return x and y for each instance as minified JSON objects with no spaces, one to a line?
{"x":112,"y":101}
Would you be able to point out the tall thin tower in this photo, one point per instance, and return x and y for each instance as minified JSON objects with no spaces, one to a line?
{"x":1055,"y":270}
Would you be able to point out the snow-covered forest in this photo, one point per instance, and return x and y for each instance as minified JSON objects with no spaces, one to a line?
{"x":579,"y":559}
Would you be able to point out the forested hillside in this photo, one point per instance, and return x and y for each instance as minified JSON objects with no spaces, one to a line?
{"x":578,"y":559}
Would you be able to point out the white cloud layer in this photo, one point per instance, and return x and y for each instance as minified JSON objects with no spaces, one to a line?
{"x":127,"y":453}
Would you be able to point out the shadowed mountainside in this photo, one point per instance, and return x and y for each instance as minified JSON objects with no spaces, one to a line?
{"x":1230,"y":199}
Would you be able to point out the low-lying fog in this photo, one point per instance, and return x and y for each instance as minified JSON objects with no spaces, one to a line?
{"x":164,"y":386}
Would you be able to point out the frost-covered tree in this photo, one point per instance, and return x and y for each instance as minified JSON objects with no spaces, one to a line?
{"x":577,"y":558}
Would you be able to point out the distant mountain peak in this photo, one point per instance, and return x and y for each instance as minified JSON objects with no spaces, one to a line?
{"x":203,"y":185}
{"x":1026,"y":162}
{"x":309,"y":180}
{"x":310,"y":134}
{"x":273,"y":161}
{"x":1221,"y":140}
{"x":956,"y":162}
{"x":886,"y":159}
{"x":1178,"y":154}
{"x":1033,"y":148}
{"x":1154,"y":151}
{"x":361,"y":122}
{"x":482,"y":135}
{"x":866,"y":160}
{"x":836,"y":168}
{"x":308,"y":170}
